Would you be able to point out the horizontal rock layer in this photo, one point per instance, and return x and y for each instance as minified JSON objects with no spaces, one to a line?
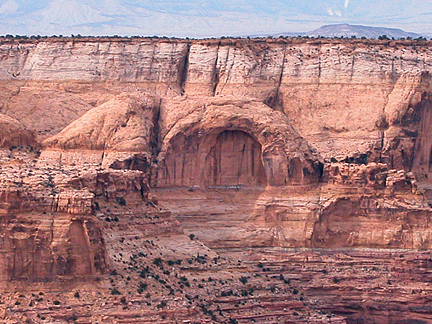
{"x":216,"y":154}
{"x":322,"y":86}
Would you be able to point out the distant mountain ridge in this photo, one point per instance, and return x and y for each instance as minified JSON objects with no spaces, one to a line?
{"x":204,"y":18}
{"x":347,"y":30}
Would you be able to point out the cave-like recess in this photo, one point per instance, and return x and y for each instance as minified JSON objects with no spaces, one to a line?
{"x":223,"y":158}
{"x":235,"y":159}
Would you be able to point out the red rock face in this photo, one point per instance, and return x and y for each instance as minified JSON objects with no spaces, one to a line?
{"x":422,"y":163}
{"x":235,"y":159}
{"x":346,"y":223}
{"x":224,"y":159}
{"x":219,"y":181}
{"x":45,"y":250}
{"x":13,"y":133}
{"x":51,"y":233}
{"x":192,"y":152}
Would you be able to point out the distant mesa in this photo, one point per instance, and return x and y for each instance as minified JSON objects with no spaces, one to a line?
{"x":346,"y":30}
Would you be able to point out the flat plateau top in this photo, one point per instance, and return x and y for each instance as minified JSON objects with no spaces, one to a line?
{"x":219,"y":41}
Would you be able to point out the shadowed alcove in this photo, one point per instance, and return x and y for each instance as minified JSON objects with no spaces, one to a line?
{"x":235,"y":143}
{"x":235,"y":159}
{"x":222,"y":158}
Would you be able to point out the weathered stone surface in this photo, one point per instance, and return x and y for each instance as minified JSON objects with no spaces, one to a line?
{"x":48,"y":247}
{"x":13,"y":133}
{"x":122,"y":124}
{"x":235,"y":142}
{"x":271,"y":180}
{"x":321,"y":85}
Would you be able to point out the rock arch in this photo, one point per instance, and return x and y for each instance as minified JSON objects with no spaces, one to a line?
{"x":222,"y":158}
{"x":235,"y":143}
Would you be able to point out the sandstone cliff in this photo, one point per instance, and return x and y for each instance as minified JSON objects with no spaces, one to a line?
{"x":13,"y":133}
{"x":115,"y":151}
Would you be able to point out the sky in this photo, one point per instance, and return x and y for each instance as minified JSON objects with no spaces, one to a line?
{"x":206,"y":18}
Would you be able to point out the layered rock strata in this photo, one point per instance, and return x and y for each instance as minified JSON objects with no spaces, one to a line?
{"x":215,"y":180}
{"x":13,"y":133}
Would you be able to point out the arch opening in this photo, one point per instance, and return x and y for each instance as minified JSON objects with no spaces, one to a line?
{"x":235,"y":159}
{"x":223,"y":158}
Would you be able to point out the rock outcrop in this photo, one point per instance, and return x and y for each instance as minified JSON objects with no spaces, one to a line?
{"x":235,"y":142}
{"x":13,"y":133}
{"x":121,"y":124}
{"x":231,"y":180}
{"x":120,"y":127}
